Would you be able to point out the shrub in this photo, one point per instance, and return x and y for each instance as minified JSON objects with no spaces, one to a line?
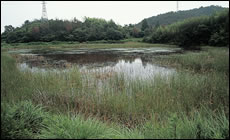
{"x":21,"y":121}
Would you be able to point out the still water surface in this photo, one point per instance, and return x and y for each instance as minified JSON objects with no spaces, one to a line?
{"x":130,"y":62}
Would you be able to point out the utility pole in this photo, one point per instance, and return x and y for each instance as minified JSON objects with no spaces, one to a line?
{"x":44,"y":13}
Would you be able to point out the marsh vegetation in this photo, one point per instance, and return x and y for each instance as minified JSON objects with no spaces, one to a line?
{"x":192,"y":102}
{"x":97,"y":79}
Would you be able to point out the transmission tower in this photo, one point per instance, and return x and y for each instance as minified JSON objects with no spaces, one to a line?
{"x":177,"y":5}
{"x":44,"y":13}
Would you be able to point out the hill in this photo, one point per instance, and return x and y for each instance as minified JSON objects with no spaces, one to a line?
{"x":172,"y":17}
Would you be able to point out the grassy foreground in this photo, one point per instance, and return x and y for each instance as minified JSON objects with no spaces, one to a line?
{"x":192,"y":103}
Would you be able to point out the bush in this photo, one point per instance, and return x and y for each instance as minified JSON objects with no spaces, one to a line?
{"x":21,"y":121}
{"x":193,"y":32}
{"x":66,"y":127}
{"x":219,"y":39}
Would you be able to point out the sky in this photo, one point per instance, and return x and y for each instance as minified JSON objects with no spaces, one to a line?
{"x":121,"y":12}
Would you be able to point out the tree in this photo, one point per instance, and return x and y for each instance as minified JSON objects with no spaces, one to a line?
{"x":26,"y":22}
{"x":145,"y":25}
{"x":191,"y":33}
{"x":91,"y":29}
{"x":157,"y":24}
{"x":9,"y":28}
{"x":113,"y":34}
{"x":80,"y":35}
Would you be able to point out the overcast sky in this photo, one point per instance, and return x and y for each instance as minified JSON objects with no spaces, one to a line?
{"x":122,"y":12}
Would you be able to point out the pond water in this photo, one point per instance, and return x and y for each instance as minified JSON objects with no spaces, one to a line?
{"x":131,"y":62}
{"x":132,"y":69}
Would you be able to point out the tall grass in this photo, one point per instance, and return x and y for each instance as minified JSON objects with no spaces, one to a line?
{"x":207,"y":60}
{"x":134,"y":103}
{"x":76,"y":127}
{"x":202,"y":124}
{"x":21,"y":120}
{"x":24,"y":120}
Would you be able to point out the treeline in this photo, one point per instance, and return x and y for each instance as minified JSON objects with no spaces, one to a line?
{"x":206,"y":30}
{"x":91,"y":29}
{"x":172,"y":17}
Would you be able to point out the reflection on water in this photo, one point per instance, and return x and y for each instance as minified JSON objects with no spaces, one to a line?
{"x":129,"y":68}
{"x":131,"y":62}
{"x":24,"y":67}
{"x":133,"y":69}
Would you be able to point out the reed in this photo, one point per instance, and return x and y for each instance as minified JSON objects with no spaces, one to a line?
{"x":200,"y":82}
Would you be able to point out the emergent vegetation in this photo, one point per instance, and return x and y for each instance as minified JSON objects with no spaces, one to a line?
{"x":192,"y":103}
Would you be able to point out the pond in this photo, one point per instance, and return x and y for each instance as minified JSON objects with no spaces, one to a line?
{"x":131,"y":62}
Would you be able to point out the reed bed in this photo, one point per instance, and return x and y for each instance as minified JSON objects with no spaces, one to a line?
{"x":160,"y":107}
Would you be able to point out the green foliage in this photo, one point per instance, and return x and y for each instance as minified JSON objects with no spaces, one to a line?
{"x":21,"y":121}
{"x":8,"y":87}
{"x":131,"y":31}
{"x":75,"y":127}
{"x":192,"y":103}
{"x":24,"y":120}
{"x":113,"y":34}
{"x":199,"y":125}
{"x":145,"y":25}
{"x":208,"y":60}
{"x":96,"y":29}
{"x":193,"y":32}
{"x":91,"y":29}
{"x":182,"y":91}
{"x":173,"y":17}
{"x":219,"y":38}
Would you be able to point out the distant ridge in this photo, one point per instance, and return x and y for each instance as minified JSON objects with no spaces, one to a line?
{"x":171,"y":17}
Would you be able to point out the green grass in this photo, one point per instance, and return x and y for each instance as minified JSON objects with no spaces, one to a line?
{"x":202,"y":124}
{"x":21,"y":120}
{"x":192,"y":103}
{"x":131,"y":43}
{"x":208,"y":60}
{"x":25,"y":120}
{"x":66,"y":127}
{"x":76,"y":127}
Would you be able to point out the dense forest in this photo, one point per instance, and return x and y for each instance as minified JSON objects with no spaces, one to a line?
{"x":91,"y":29}
{"x":205,"y":30}
{"x":63,"y":30}
{"x":208,"y":30}
{"x":172,"y":17}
